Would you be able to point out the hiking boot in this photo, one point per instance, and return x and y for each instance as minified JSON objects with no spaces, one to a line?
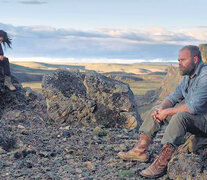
{"x":159,"y":166}
{"x":139,"y":152}
{"x":8,"y":83}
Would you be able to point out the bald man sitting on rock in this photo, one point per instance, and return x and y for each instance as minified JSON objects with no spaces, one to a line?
{"x":188,"y":117}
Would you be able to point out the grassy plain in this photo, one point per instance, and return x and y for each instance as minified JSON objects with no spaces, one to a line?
{"x":30,"y":73}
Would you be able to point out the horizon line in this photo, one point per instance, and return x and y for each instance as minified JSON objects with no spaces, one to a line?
{"x":92,"y":60}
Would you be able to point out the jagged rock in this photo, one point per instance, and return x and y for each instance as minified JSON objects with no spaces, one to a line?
{"x":185,"y":166}
{"x":148,"y":98}
{"x":192,"y":144}
{"x":203,"y":49}
{"x":89,"y":98}
{"x":30,"y":93}
{"x":170,"y":81}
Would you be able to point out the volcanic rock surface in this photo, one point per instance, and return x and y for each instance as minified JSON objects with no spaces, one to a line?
{"x":90,"y":99}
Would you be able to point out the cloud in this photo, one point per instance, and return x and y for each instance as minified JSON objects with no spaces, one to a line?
{"x":198,"y":33}
{"x":4,"y":1}
{"x":152,"y":43}
{"x":29,"y":2}
{"x":35,"y":2}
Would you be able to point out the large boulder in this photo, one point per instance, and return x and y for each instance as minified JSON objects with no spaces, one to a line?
{"x":203,"y":49}
{"x":89,"y":98}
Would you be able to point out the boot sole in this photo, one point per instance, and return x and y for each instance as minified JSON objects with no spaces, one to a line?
{"x":139,"y":160}
{"x":136,"y":160}
{"x":154,"y":177}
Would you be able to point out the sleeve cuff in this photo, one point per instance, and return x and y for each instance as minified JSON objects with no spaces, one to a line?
{"x":171,"y":100}
{"x":191,"y":108}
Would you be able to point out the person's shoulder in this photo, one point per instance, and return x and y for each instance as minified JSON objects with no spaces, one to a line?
{"x":203,"y":71}
{"x":204,"y":68}
{"x":204,"y":65}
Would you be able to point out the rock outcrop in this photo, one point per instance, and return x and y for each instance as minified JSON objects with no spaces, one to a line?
{"x":89,"y":98}
{"x":148,"y":98}
{"x":203,"y":49}
{"x":170,"y":81}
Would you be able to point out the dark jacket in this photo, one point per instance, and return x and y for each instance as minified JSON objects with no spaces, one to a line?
{"x":1,"y":51}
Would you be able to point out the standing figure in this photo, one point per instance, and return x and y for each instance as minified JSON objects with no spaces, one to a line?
{"x":4,"y":61}
{"x":191,"y":116}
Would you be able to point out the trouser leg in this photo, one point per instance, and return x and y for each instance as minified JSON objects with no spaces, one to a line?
{"x":149,"y":126}
{"x":5,"y":64}
{"x":2,"y":76}
{"x":7,"y":74}
{"x":181,"y":123}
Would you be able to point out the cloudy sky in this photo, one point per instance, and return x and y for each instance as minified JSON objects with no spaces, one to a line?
{"x":102,"y":31}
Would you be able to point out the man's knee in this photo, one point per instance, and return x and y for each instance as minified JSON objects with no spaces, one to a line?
{"x":180,"y":117}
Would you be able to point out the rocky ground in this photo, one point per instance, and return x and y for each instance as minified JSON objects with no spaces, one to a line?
{"x":49,"y":151}
{"x":34,"y":147}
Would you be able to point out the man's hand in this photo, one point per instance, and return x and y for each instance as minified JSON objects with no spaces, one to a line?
{"x":156,"y":113}
{"x":162,"y":115}
{"x":1,"y":58}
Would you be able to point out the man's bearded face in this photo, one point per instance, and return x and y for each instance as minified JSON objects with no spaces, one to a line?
{"x":188,"y":70}
{"x":186,"y":63}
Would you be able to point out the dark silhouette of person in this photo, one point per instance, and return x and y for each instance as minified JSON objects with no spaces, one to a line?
{"x":4,"y":61}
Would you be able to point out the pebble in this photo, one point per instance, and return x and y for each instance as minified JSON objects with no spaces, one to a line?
{"x":89,"y":165}
{"x":65,"y":128}
{"x":2,"y":151}
{"x":20,"y":127}
{"x":66,"y":133}
{"x":78,"y":170}
{"x":68,"y":156}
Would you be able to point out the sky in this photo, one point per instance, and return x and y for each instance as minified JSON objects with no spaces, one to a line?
{"x":126,"y":31}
